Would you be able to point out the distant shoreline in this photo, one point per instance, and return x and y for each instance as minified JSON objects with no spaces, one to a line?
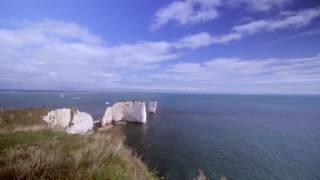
{"x":162,"y":92}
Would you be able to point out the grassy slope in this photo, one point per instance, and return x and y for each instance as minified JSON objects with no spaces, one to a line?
{"x":29,"y":150}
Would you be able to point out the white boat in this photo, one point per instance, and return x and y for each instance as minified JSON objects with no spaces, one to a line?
{"x":152,"y":106}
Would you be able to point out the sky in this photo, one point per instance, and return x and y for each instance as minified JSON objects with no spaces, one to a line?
{"x":203,"y":46}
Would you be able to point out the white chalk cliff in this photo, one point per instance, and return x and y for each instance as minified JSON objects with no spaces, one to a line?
{"x":130,"y":111}
{"x":72,"y":121}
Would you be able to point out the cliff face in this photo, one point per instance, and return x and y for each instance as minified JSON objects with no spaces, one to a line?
{"x":130,"y":111}
{"x":72,"y":121}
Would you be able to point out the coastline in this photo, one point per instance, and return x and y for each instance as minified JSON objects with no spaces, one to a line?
{"x":99,"y":155}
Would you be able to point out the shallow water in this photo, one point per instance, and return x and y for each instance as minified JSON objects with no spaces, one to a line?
{"x":238,"y":136}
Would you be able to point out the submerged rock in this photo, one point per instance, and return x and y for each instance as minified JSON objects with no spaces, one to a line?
{"x":71,"y":120}
{"x":130,"y":111}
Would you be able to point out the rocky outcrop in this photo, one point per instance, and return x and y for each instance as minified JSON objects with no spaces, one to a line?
{"x":71,"y":120}
{"x":81,"y":123}
{"x":129,"y":111}
{"x":107,"y":118}
{"x":59,"y":118}
{"x":152,"y":106}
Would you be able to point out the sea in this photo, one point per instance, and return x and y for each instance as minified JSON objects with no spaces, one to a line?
{"x":246,"y":137}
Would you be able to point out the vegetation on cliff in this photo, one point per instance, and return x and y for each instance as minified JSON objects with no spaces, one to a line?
{"x":28,"y":150}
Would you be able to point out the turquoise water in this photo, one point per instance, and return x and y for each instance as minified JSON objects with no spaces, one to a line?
{"x":238,"y":136}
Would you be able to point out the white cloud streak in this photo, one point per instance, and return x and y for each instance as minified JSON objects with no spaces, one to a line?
{"x":187,"y":12}
{"x":259,"y":5}
{"x":247,"y":76}
{"x":205,"y":39}
{"x":251,"y":71}
{"x":293,"y":20}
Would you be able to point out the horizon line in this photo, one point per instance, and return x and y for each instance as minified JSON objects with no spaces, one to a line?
{"x":155,"y":91}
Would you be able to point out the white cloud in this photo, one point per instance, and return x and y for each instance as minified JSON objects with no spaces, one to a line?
{"x":294,"y":19}
{"x":313,"y":32}
{"x":186,"y":12}
{"x":260,"y":5}
{"x":34,"y":54}
{"x":247,"y":76}
{"x":197,"y":11}
{"x":262,"y":70}
{"x":33,"y":57}
{"x":194,"y":41}
{"x":186,"y":67}
{"x":39,"y":33}
{"x":140,"y":53}
{"x":205,"y":39}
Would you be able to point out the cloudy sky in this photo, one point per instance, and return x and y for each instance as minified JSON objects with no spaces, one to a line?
{"x":206,"y":46}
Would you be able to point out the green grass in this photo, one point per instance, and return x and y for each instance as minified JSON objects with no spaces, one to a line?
{"x":9,"y":139}
{"x":10,"y":119}
{"x":39,"y":153}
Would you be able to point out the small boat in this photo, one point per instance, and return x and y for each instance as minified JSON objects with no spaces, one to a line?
{"x":62,"y":95}
{"x":75,"y":98}
{"x":152,"y":106}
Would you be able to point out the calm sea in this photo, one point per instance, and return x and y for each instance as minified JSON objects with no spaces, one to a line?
{"x":237,"y":136}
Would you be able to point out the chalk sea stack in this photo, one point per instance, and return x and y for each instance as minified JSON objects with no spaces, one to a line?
{"x":152,"y":106}
{"x":128,"y":111}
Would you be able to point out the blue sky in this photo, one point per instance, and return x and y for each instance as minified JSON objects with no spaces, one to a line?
{"x":206,"y":46}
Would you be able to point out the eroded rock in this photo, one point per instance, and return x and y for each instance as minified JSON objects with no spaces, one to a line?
{"x":129,"y":111}
{"x":71,"y":120}
{"x":152,"y":106}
